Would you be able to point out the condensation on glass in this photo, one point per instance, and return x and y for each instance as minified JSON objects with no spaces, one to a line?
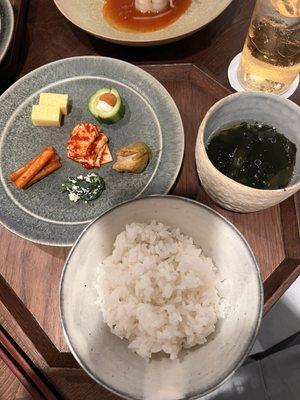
{"x":271,"y":54}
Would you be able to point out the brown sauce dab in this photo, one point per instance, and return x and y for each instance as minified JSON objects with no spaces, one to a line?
{"x":123,"y":15}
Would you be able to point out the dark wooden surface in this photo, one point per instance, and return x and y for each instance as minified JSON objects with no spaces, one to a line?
{"x":14,"y":357}
{"x":30,"y":273}
{"x":50,"y":36}
{"x":10,"y":65}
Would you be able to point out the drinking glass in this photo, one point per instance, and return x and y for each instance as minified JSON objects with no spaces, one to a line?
{"x":271,"y":55}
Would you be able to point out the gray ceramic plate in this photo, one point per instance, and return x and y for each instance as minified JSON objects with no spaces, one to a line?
{"x":6,"y":26}
{"x":88,"y":16}
{"x":107,"y":359}
{"x":43,"y":214}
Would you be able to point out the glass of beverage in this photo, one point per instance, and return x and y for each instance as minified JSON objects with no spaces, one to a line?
{"x":271,"y":54}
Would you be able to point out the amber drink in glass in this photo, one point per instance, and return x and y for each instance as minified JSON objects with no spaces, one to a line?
{"x":271,"y":55}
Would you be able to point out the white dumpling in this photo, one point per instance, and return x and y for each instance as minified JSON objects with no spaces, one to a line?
{"x":154,"y":6}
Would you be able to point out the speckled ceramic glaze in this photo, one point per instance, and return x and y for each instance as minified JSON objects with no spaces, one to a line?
{"x":6,"y":26}
{"x":88,"y":16}
{"x":274,"y":110}
{"x":107,"y":359}
{"x":42,"y":213}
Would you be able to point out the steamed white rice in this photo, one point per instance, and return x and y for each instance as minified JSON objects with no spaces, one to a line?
{"x":158,"y":290}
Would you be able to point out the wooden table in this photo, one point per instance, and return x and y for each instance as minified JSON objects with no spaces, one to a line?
{"x":194,"y":70}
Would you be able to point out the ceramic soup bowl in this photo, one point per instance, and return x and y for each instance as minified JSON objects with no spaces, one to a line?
{"x":270,"y":109}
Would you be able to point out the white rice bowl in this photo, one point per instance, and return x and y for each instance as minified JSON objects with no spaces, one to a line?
{"x":158,"y":290}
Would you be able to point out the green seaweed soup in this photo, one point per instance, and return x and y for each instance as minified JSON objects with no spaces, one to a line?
{"x":253,"y":154}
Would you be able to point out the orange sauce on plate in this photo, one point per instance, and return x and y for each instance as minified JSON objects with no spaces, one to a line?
{"x":123,"y":15}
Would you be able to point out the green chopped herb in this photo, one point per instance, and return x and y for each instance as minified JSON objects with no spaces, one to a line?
{"x":87,"y":188}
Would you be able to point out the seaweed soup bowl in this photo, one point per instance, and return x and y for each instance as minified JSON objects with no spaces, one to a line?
{"x":270,"y":109}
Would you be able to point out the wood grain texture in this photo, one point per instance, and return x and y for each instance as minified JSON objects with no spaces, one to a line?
{"x":23,"y":368}
{"x":31,"y":272}
{"x":73,"y":384}
{"x":10,"y":386}
{"x":10,"y":363}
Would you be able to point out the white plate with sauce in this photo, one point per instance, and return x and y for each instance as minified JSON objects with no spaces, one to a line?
{"x":89,"y":16}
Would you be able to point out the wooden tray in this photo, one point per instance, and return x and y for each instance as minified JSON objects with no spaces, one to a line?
{"x":30,"y":272}
{"x":10,"y":64}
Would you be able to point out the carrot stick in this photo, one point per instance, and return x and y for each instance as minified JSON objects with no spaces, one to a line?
{"x":35,"y":167}
{"x":54,"y":158}
{"x":17,"y":173}
{"x":48,"y":169}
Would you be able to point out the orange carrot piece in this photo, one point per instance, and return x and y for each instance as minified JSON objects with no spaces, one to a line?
{"x":18,"y":172}
{"x":48,"y":169}
{"x":43,"y":159}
